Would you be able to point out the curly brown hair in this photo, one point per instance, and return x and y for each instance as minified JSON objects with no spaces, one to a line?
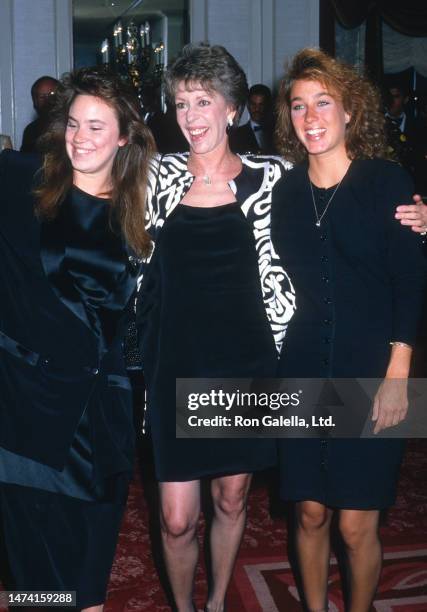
{"x":365,"y":136}
{"x":129,"y":172}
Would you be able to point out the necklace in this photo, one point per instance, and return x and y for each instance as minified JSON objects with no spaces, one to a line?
{"x":319,"y":219}
{"x":207,"y":179}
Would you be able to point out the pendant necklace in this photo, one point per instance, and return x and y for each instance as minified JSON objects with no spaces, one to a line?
{"x":207,"y":179}
{"x":319,"y":219}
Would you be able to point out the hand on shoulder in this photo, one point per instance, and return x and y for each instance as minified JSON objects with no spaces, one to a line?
{"x":413,"y":215}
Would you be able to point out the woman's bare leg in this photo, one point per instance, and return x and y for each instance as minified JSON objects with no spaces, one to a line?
{"x":229,"y":495}
{"x":179,"y":513}
{"x":313,"y":549}
{"x":359,"y":529}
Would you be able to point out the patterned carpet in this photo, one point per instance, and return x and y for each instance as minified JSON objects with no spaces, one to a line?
{"x":263,"y":580}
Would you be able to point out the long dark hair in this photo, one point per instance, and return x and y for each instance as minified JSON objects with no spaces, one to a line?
{"x":129,"y":172}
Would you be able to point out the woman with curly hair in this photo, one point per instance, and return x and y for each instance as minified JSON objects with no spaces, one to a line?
{"x":359,"y":281}
{"x":71,"y":233}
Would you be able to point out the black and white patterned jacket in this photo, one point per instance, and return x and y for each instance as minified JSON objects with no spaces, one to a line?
{"x":169,"y":180}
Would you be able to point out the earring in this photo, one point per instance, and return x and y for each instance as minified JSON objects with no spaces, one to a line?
{"x":229,"y":121}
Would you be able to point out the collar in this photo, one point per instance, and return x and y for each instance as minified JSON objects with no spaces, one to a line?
{"x":256,"y":127}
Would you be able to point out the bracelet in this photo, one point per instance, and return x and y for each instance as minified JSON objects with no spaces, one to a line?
{"x":400,"y":344}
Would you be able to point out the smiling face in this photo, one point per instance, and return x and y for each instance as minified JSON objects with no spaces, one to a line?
{"x":92,"y":138}
{"x":202,"y":116}
{"x":318,"y":118}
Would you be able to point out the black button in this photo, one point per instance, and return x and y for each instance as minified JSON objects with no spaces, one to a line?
{"x":325,"y":361}
{"x":327,"y":300}
{"x":95,"y":371}
{"x":322,"y":237}
{"x":46,"y":360}
{"x":325,"y":278}
{"x":327,"y":321}
{"x":323,"y":444}
{"x":324,"y":258}
{"x":326,"y":340}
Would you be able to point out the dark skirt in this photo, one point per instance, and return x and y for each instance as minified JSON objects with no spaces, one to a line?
{"x":60,"y":543}
{"x":341,"y":473}
{"x":61,"y":528}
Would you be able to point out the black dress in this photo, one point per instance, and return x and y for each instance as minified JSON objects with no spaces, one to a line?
{"x":209,"y":321}
{"x":359,"y":282}
{"x":61,"y":526}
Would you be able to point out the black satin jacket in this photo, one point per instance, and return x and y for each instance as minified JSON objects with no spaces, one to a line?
{"x":54,"y":352}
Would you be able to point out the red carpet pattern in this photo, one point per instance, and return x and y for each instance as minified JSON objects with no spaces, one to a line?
{"x":267,"y":585}
{"x":263,"y":580}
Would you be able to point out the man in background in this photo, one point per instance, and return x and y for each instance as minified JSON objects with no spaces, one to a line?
{"x":42,"y":93}
{"x":400,"y":127}
{"x":256,"y":136}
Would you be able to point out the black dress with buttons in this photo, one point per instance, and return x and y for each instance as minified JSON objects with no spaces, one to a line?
{"x":359,"y":279}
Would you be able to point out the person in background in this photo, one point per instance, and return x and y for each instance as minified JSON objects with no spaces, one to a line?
{"x":71,"y":235}
{"x":257,"y":135}
{"x":162,"y":123}
{"x":214,"y":303}
{"x":5,"y":142}
{"x":42,"y":93}
{"x":400,"y":128}
{"x":167,"y":135}
{"x":359,"y":280}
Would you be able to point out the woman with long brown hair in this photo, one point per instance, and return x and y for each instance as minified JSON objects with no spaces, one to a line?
{"x":359,"y":280}
{"x":71,"y":236}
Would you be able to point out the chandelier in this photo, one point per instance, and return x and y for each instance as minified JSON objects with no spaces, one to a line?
{"x":134,"y":56}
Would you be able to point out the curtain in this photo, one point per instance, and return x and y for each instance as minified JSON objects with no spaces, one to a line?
{"x":408,"y":17}
{"x":401,"y":52}
{"x":350,"y":45}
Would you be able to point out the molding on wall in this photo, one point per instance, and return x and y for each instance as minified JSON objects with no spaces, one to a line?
{"x":254,"y":72}
{"x":198,"y":20}
{"x":7,"y":97}
{"x":298,"y":27}
{"x":63,"y":10}
{"x":268,"y":42}
{"x":314,"y":23}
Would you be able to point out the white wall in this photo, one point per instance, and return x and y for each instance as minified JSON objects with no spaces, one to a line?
{"x":35,"y":39}
{"x":261,"y":34}
{"x":296,"y":25}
